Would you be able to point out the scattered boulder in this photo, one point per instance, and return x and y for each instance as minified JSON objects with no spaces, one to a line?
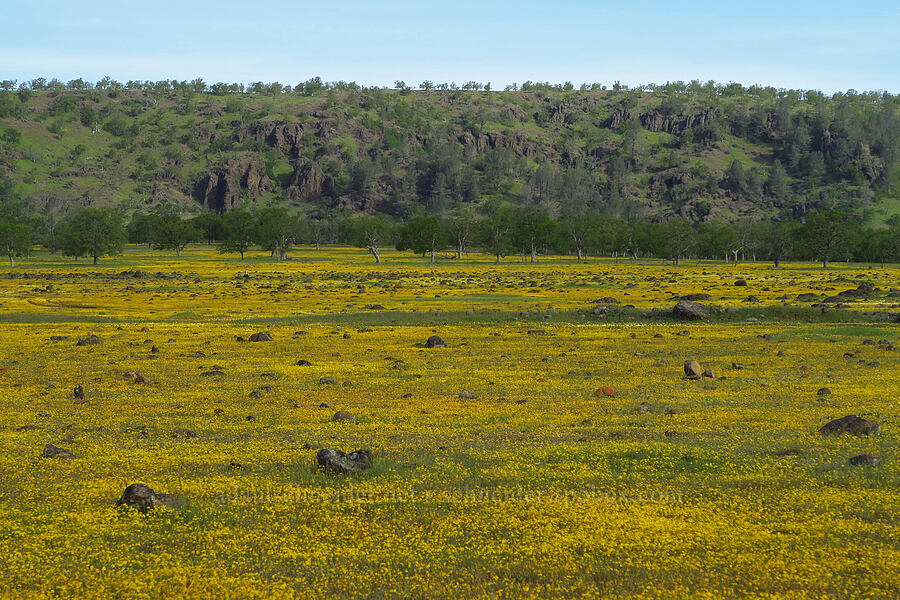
{"x":852,"y":425}
{"x":78,"y":392}
{"x":142,"y":497}
{"x":303,"y":363}
{"x":327,"y":381}
{"x":467,"y":395}
{"x":695,"y":297}
{"x":741,"y":283}
{"x":692,"y":370}
{"x":262,"y":336}
{"x":823,"y":391}
{"x":51,"y":451}
{"x":90,"y":340}
{"x":864,"y":460}
{"x":708,"y":374}
{"x":687,"y":310}
{"x":435,"y":342}
{"x":343,"y":416}
{"x":338,"y":462}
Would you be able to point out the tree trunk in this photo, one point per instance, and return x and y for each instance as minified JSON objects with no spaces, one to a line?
{"x":178,"y":252}
{"x":777,"y":263}
{"x":677,"y":260}
{"x":459,"y":251}
{"x":824,"y":263}
{"x":579,"y":255}
{"x":317,"y":244}
{"x":283,"y":254}
{"x":533,"y":253}
{"x":432,"y":256}
{"x":12,"y":261}
{"x":498,"y":259}
{"x":242,"y":255}
{"x":374,"y":252}
{"x":96,"y":259}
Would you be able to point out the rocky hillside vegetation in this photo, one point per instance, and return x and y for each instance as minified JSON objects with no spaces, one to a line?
{"x":702,"y":152}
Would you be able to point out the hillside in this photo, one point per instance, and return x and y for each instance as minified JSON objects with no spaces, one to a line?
{"x":702,"y":152}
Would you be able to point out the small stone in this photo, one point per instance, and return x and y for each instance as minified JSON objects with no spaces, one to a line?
{"x":687,"y":310}
{"x":78,"y":392}
{"x":692,"y":370}
{"x":851,"y":424}
{"x":467,"y":395}
{"x":708,"y":374}
{"x":337,"y":462}
{"x":262,"y":336}
{"x":741,"y":283}
{"x":435,"y":342}
{"x":343,"y":416}
{"x":823,"y":391}
{"x":51,"y":451}
{"x":142,"y":497}
{"x":303,"y":363}
{"x":327,"y":381}
{"x":864,"y":460}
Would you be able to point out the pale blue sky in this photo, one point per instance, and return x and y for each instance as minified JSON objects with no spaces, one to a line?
{"x":826,"y":45}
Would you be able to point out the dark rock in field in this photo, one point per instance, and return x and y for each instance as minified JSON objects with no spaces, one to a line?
{"x":140,"y":379}
{"x":303,"y":363}
{"x":521,"y":401}
{"x":435,"y":342}
{"x":375,"y":307}
{"x":346,"y":336}
{"x":695,"y":297}
{"x":868,"y":342}
{"x":29,"y":427}
{"x":255,"y":394}
{"x":864,"y":460}
{"x":337,"y":462}
{"x":327,"y":381}
{"x":752,"y":300}
{"x":239,"y":338}
{"x":197,"y":354}
{"x":299,"y":333}
{"x":862,"y":291}
{"x":213,"y":373}
{"x":59,"y":338}
{"x":765,"y":336}
{"x":657,"y":335}
{"x":684,"y":333}
{"x":89,"y":340}
{"x":808,"y":297}
{"x":324,"y":405}
{"x":262,"y":336}
{"x":741,"y":283}
{"x":851,"y":424}
{"x":692,"y":369}
{"x":51,"y":451}
{"x":606,"y":300}
{"x":251,"y":418}
{"x":186,"y":434}
{"x":823,"y":392}
{"x":467,"y":395}
{"x":218,"y":411}
{"x":737,"y":366}
{"x":142,"y":497}
{"x":154,"y":350}
{"x":343,"y":416}
{"x":364,"y":330}
{"x":687,"y":310}
{"x":708,"y":374}
{"x":78,"y":392}
{"x":236,"y":466}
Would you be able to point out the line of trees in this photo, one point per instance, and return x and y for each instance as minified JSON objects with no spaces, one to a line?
{"x":502,"y":231}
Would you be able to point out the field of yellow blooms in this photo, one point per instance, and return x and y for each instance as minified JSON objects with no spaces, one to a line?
{"x":497,"y":470}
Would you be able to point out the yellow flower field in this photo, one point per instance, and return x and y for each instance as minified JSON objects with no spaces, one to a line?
{"x":498,"y":473}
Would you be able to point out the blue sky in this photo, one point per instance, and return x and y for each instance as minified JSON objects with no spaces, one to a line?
{"x":825,"y":45}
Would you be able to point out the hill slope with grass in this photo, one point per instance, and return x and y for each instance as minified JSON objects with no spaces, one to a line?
{"x":701,"y":152}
